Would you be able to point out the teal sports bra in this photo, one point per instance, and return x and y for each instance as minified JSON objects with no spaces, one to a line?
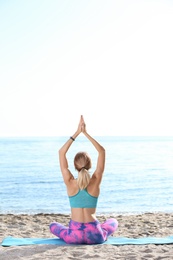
{"x":83,"y":200}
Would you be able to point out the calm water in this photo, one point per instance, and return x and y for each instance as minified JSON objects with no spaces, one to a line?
{"x":138,"y":175}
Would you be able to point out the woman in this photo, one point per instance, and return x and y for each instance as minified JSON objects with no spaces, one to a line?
{"x":83,"y":194}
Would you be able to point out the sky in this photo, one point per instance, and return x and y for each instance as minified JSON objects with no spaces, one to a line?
{"x":111,"y":61}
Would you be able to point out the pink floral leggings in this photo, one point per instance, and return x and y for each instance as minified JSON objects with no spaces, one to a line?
{"x":84,"y":233}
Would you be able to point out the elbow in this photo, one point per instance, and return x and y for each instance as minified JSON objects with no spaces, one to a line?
{"x":103,"y":149}
{"x":60,"y":151}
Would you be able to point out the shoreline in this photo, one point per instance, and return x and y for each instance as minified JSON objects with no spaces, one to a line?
{"x":124,"y":213}
{"x":158,"y":224}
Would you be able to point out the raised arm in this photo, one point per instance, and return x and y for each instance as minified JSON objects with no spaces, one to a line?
{"x":101,"y":154}
{"x":67,"y":176}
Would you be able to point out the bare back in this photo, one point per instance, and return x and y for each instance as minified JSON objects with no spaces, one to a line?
{"x":83,"y":215}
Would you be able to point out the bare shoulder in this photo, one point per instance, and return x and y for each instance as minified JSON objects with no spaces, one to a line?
{"x":72,"y":187}
{"x":97,"y":177}
{"x":94,"y":187}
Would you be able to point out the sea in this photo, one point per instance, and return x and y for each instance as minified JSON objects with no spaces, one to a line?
{"x":138,"y":174}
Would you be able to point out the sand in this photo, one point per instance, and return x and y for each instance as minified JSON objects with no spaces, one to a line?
{"x":133,"y":226}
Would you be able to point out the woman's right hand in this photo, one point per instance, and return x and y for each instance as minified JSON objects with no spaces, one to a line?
{"x":83,"y":125}
{"x":80,"y":125}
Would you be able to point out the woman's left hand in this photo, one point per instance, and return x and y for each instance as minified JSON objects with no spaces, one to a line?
{"x":81,"y":123}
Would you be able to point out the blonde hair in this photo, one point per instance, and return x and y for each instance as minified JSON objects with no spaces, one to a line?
{"x":82,"y":163}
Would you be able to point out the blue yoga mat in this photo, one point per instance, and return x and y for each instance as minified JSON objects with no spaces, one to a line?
{"x":12,"y":241}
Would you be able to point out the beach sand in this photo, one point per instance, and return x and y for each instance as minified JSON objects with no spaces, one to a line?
{"x":133,"y":226}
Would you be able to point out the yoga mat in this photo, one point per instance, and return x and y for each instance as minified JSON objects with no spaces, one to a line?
{"x":12,"y":241}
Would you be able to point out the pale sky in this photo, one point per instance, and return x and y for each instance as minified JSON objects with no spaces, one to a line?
{"x":111,"y":61}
